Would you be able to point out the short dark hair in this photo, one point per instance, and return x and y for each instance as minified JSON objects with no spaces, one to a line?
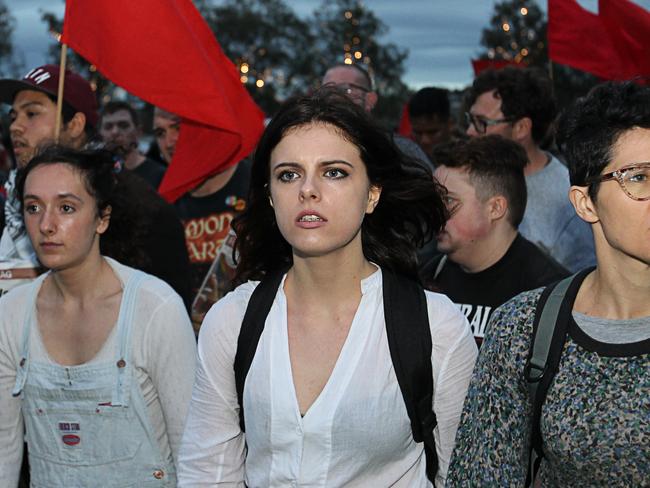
{"x":524,"y":92}
{"x":100,"y":172}
{"x":589,"y":129}
{"x":495,"y":166}
{"x":430,"y":101}
{"x":68,"y":112}
{"x":410,"y":210}
{"x":116,"y":106}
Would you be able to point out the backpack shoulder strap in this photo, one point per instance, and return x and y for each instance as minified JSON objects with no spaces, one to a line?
{"x":252,"y":326}
{"x":550,"y":328}
{"x":409,"y":341}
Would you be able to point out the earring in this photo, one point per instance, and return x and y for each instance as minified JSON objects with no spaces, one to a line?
{"x":270,"y":201}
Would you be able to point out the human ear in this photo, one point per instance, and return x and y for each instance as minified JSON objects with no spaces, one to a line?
{"x":583,"y":204}
{"x":371,"y":100}
{"x":522,"y":129}
{"x":497,"y":207}
{"x":104,"y":220}
{"x":75,"y":127}
{"x":373,"y":198}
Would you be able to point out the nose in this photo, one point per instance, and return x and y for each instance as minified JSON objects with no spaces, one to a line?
{"x":309,"y":189}
{"x":16,"y":126}
{"x":471,"y":131}
{"x":47,"y":224}
{"x":170,"y":139}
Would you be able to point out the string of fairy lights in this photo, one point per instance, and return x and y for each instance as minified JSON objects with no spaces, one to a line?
{"x":521,"y":52}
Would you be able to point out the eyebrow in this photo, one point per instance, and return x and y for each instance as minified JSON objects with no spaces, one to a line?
{"x":60,"y":196}
{"x":290,"y":164}
{"x":28,"y":104}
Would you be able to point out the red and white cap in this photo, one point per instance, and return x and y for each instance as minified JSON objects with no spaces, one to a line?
{"x":76,"y":91}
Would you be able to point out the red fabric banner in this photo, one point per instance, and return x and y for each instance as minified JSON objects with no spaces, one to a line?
{"x":165,"y":53}
{"x":628,"y":25}
{"x":480,"y":65}
{"x":404,"y":128}
{"x":582,"y":40}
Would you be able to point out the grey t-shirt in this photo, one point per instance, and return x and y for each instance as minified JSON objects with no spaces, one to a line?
{"x":614,"y":331}
{"x":550,"y":221}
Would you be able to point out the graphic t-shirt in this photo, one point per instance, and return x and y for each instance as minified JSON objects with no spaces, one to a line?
{"x":207,"y":220}
{"x":523,"y":267}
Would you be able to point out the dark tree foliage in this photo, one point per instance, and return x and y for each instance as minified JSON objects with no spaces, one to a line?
{"x":517,"y":32}
{"x":9,"y":64}
{"x":348,"y":30}
{"x":268,"y":43}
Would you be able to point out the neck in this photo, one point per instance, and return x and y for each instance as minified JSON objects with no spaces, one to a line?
{"x":80,"y":283}
{"x":214,"y":183}
{"x":133,"y":160}
{"x":487,"y":252}
{"x":537,"y":158}
{"x":337,"y":277}
{"x":618,"y":289}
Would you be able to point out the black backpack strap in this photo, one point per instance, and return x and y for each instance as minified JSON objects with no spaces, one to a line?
{"x":409,"y":341}
{"x":550,"y":328}
{"x":252,"y":326}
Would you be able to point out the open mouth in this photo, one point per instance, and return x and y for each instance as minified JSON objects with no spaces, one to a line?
{"x":311,"y":218}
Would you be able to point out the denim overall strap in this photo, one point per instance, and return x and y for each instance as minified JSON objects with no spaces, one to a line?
{"x":124,"y":326}
{"x":23,"y":364}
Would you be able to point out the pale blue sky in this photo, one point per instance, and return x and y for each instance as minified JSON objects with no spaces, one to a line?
{"x":441,"y":35}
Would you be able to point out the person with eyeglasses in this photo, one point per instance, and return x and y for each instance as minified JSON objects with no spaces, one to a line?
{"x":595,"y":421}
{"x":355,"y":82}
{"x":518,"y":104}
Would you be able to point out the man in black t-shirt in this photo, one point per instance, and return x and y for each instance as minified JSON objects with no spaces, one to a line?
{"x":120,"y":129}
{"x":485,"y":261}
{"x":206,"y":212}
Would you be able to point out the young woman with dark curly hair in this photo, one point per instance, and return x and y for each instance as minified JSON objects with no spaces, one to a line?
{"x":97,"y":359}
{"x":332,"y":205}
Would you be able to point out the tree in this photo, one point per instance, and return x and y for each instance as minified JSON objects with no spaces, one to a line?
{"x":9,"y":64}
{"x":269,"y":44}
{"x":348,"y":32}
{"x":517,"y":32}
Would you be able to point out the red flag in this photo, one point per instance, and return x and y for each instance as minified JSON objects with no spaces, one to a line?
{"x":404,"y":128}
{"x":629,"y":30}
{"x":480,"y":65}
{"x":164,"y":52}
{"x":579,"y":38}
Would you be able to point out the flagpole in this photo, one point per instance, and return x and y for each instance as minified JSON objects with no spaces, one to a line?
{"x":59,"y":95}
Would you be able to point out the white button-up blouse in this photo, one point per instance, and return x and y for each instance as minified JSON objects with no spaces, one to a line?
{"x":356,"y":433}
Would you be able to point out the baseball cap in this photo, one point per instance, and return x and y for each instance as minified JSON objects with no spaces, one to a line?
{"x":77,"y":92}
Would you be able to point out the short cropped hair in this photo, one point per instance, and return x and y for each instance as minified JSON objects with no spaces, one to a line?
{"x":430,"y":101}
{"x":116,"y":106}
{"x":524,"y":92}
{"x":589,"y":129}
{"x":495,"y":166}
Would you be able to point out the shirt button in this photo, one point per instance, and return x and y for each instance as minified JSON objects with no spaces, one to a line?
{"x":158,"y":474}
{"x":298,"y":431}
{"x":121,"y":363}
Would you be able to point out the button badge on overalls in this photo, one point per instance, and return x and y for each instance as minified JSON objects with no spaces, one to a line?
{"x":158,"y":474}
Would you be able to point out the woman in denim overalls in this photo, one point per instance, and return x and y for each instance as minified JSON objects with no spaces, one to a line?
{"x":96,"y":358}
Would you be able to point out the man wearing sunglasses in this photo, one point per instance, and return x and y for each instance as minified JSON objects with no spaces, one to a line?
{"x":518,"y":104}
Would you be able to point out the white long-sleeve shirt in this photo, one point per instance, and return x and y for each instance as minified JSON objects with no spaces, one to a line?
{"x":356,"y":433}
{"x":163,"y":352}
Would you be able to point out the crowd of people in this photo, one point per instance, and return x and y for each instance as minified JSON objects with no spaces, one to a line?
{"x":463,"y":307}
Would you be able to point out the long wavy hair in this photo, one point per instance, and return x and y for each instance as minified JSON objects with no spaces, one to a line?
{"x":410,"y":211}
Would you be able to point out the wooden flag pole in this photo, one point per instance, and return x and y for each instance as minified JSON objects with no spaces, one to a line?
{"x":59,"y":95}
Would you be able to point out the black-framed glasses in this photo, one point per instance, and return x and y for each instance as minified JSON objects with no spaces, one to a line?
{"x":482,"y":123}
{"x":350,"y":89}
{"x":633,"y":179}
